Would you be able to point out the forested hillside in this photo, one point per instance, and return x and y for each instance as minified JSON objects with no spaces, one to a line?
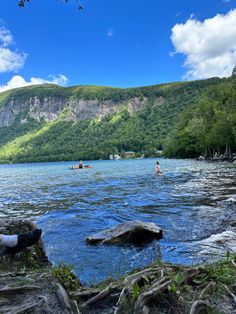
{"x":185,"y":119}
{"x":209,"y":126}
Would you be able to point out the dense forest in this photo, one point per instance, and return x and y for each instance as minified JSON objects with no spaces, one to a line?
{"x":208,"y":127}
{"x":193,"y":118}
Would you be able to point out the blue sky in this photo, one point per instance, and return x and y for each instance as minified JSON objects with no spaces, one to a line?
{"x":119,"y":43}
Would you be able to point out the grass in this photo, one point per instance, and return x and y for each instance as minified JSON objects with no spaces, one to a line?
{"x":66,"y":277}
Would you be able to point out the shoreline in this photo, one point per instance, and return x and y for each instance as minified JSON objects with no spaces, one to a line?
{"x":200,"y":158}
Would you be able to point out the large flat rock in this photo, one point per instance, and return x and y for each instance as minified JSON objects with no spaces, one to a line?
{"x":133,"y":232}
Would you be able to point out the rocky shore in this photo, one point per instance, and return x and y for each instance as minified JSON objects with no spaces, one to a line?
{"x":222,"y":158}
{"x":29,"y":284}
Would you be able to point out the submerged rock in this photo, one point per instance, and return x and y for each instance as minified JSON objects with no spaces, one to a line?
{"x":133,"y":232}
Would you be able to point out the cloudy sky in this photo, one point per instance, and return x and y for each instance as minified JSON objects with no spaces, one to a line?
{"x":116,"y":43}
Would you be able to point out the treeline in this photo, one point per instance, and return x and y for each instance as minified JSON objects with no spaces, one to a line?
{"x":209,"y":127}
{"x":102,"y":93}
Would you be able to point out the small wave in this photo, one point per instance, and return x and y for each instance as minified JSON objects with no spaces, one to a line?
{"x":219,"y":243}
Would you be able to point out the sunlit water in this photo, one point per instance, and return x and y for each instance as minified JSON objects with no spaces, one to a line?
{"x":191,"y":201}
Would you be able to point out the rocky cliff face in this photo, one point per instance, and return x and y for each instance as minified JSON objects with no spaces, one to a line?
{"x":50,"y":108}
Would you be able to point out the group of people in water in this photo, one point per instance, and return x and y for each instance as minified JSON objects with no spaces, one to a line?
{"x":157,"y":167}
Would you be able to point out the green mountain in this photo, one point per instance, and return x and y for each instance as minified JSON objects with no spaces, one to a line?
{"x":52,"y":123}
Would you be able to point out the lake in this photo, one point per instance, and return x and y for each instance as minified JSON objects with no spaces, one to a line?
{"x":191,"y":201}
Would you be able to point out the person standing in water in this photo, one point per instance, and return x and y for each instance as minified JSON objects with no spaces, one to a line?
{"x":158,"y":168}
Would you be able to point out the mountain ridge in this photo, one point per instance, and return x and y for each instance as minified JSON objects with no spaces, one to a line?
{"x":108,"y":120}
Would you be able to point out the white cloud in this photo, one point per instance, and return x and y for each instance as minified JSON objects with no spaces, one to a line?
{"x":110,"y":32}
{"x":6,"y":37}
{"x":18,"y":81}
{"x":209,"y":47}
{"x":58,"y":79}
{"x":10,"y":61}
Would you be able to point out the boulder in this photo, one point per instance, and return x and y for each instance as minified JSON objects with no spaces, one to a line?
{"x":133,"y":232}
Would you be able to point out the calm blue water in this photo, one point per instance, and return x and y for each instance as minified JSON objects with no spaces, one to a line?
{"x":190,"y":201}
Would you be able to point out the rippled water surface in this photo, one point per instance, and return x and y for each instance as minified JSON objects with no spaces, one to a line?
{"x":191,"y":201}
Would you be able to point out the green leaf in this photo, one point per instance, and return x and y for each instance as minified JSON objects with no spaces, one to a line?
{"x":135,"y":292}
{"x":179,"y":278}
